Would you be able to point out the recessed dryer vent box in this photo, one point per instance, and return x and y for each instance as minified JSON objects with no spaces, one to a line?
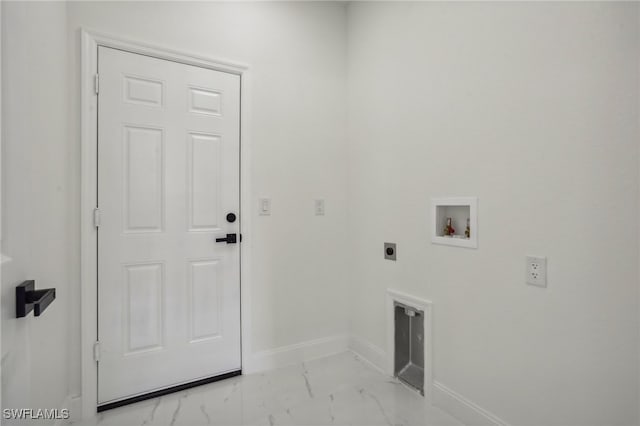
{"x":409,"y":346}
{"x":449,"y":218}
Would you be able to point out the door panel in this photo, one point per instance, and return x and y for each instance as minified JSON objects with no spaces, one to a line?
{"x":168,"y":173}
{"x":205,"y":178}
{"x":143,"y":179}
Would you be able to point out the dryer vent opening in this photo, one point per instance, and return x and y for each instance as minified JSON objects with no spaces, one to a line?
{"x":409,"y":346}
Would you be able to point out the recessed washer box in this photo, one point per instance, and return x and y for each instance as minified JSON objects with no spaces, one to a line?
{"x":455,"y":212}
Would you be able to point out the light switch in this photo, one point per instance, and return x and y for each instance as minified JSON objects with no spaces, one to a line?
{"x":319,"y":207}
{"x":264,"y":207}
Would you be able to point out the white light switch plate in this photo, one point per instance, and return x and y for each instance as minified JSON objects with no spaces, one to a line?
{"x":264,"y":206}
{"x":536,"y":270}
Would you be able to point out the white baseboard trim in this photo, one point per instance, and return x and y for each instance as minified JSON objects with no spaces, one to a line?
{"x":466,"y":411}
{"x":296,"y":353}
{"x":449,"y":400}
{"x":369,"y":353}
{"x":75,"y":408}
{"x":463,"y":409}
{"x":66,"y":405}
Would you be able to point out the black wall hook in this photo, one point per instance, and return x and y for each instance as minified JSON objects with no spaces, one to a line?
{"x":29,"y":299}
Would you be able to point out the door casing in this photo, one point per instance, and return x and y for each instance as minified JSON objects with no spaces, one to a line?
{"x":90,"y":41}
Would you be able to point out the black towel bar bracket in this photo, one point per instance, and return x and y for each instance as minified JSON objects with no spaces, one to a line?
{"x":29,"y":299}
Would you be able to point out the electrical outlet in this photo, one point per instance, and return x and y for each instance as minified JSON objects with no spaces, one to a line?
{"x":319,"y":207}
{"x":536,"y":268}
{"x":390,"y":251}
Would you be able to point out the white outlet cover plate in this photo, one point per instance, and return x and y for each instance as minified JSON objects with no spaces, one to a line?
{"x":536,"y":270}
{"x":319,"y":207}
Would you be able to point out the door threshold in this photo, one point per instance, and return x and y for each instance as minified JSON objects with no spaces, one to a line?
{"x":166,"y":391}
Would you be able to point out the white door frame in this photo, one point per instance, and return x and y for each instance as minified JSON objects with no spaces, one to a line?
{"x":1,"y":186}
{"x":90,"y":41}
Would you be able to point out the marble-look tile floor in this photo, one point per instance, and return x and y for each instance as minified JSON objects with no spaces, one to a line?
{"x":337,"y":390}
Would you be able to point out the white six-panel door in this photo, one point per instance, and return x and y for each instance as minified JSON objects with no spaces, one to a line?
{"x":168,"y":175}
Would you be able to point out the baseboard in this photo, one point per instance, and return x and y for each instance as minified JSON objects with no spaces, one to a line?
{"x":369,"y":353}
{"x":66,"y":405}
{"x":450,"y":401}
{"x":463,"y":409}
{"x":296,"y":353}
{"x":75,"y":408}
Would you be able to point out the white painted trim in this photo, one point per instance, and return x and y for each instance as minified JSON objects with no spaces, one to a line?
{"x":436,"y":393}
{"x":160,"y":52}
{"x":472,"y":202}
{"x":298,"y":353}
{"x":1,"y":191}
{"x":463,"y":409}
{"x":246,"y":222}
{"x":88,"y":135}
{"x":421,"y":305}
{"x":64,"y":406}
{"x":88,"y":235}
{"x":75,"y":408}
{"x":371,"y":354}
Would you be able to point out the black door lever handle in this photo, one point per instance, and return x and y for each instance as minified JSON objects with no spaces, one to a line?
{"x":229,"y":239}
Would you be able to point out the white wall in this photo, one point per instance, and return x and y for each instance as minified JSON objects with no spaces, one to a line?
{"x":494,"y":100}
{"x":534,"y":109}
{"x":296,"y":54}
{"x":36,"y":180}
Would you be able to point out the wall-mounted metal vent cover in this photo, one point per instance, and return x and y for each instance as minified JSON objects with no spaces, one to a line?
{"x":409,"y":346}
